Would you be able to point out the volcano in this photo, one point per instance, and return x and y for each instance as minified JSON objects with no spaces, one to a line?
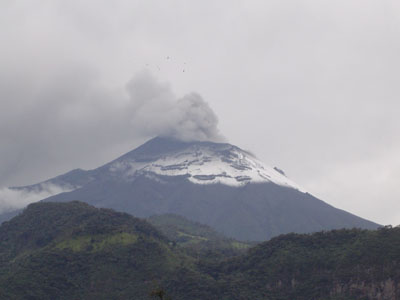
{"x":217,"y":184}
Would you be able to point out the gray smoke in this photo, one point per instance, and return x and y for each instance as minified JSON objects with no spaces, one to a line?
{"x":156,"y":111}
{"x":73,"y":120}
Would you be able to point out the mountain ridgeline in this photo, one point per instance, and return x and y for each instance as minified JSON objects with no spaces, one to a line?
{"x":216,"y":184}
{"x":76,"y":251}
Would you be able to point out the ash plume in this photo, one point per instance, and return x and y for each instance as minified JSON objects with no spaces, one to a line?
{"x":75,"y":120}
{"x":157,"y":111}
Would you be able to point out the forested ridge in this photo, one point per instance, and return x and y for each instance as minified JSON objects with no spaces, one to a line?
{"x":76,"y":251}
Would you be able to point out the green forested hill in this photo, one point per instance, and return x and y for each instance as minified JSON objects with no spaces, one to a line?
{"x":339,"y":264}
{"x":75,"y":251}
{"x":198,"y":239}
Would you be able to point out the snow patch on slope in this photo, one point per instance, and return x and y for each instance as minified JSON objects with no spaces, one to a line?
{"x":206,"y":164}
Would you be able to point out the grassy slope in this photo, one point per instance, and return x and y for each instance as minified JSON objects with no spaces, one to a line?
{"x":196,"y":238}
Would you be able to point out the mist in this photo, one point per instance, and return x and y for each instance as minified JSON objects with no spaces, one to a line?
{"x":13,"y":199}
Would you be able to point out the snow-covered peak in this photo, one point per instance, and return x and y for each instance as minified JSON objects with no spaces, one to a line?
{"x":199,"y":162}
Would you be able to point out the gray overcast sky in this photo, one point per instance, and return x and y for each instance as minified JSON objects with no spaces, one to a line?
{"x":309,"y":86}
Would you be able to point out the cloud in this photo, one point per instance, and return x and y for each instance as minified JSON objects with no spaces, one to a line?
{"x":13,"y":199}
{"x":374,"y":180}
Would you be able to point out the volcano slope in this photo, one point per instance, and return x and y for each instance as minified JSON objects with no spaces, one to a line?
{"x":216,"y":184}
